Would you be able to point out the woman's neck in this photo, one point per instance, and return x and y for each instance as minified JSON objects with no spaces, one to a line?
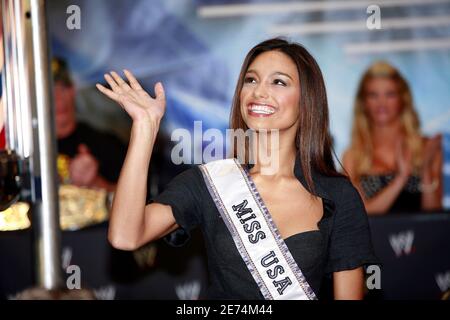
{"x":276,"y":158}
{"x":384,"y":134}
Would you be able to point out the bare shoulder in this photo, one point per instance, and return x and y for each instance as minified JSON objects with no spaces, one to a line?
{"x":348,"y":156}
{"x":435,"y":139}
{"x":348,"y":161}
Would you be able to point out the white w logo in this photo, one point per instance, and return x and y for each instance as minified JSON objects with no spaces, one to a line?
{"x":66,"y":257}
{"x":402,"y":243}
{"x":188,"y":291}
{"x":443,"y":281}
{"x":105,"y":293}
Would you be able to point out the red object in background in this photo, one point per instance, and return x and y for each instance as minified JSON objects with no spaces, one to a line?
{"x":2,"y":139}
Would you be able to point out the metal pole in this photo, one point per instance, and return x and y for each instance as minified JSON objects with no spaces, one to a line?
{"x":48,"y":234}
{"x":30,"y":124}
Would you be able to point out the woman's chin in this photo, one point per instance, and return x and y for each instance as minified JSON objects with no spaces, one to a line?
{"x":385,"y":121}
{"x":259,"y":124}
{"x":260,"y":127}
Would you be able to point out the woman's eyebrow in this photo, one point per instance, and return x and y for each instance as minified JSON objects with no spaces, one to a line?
{"x":283,"y":74}
{"x":274,"y":73}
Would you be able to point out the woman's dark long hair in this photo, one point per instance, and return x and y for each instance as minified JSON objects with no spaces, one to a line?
{"x":313,"y":140}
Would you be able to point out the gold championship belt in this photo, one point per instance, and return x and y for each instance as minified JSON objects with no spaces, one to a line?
{"x":15,"y":217}
{"x":79,"y":207}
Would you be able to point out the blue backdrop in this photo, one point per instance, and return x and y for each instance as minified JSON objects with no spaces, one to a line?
{"x":196,"y":47}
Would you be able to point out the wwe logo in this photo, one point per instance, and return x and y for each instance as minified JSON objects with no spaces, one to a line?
{"x":105,"y":293}
{"x":443,"y":281}
{"x":188,"y":291}
{"x":66,"y":257}
{"x":402,"y":242}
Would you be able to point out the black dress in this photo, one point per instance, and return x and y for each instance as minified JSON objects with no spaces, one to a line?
{"x":343,"y":241}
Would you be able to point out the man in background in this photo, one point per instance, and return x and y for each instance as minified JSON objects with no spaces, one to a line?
{"x":86,"y":157}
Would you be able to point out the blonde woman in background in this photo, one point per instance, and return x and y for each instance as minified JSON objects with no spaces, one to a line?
{"x":392,"y":165}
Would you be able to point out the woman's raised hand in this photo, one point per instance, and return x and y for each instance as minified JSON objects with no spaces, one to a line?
{"x":404,"y":160}
{"x":139,"y":105}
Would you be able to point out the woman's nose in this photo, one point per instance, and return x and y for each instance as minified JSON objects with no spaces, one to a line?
{"x":260,"y":91}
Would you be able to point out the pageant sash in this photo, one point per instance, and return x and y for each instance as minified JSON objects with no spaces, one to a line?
{"x":254,"y":233}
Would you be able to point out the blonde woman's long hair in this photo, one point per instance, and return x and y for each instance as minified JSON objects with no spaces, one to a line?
{"x":362,"y":142}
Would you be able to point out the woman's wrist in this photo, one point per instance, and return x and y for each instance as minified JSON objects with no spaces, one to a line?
{"x":403,"y":178}
{"x":428,"y":182}
{"x":426,"y":176}
{"x":145,"y":127}
{"x":145,"y":121}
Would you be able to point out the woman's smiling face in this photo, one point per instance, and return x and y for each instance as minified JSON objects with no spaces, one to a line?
{"x":383,"y":103}
{"x":270,"y":95}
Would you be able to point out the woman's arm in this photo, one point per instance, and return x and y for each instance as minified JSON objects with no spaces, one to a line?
{"x":132,"y":223}
{"x":383,"y":201}
{"x":349,"y":284}
{"x":432,"y":175}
